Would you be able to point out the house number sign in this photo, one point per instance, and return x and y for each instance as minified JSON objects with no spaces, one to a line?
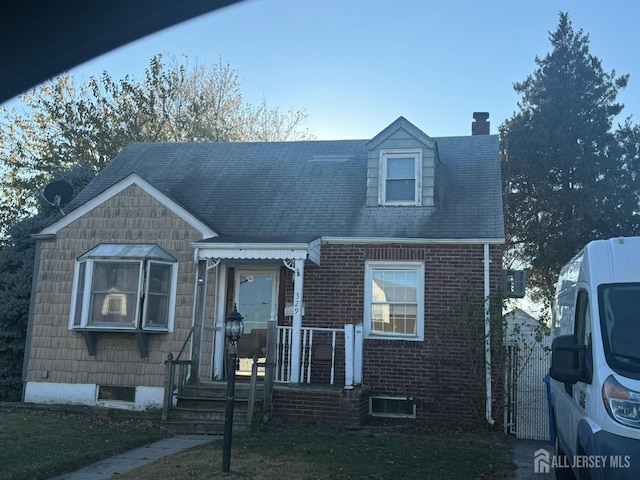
{"x":296,"y":304}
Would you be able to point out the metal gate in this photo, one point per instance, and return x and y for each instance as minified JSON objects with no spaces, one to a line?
{"x":526,"y":413}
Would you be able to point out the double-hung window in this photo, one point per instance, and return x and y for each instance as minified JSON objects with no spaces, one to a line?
{"x":401,"y":173}
{"x":394,"y":300}
{"x":124,"y":287}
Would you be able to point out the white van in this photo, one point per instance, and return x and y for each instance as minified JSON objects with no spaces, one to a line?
{"x":595,"y":363}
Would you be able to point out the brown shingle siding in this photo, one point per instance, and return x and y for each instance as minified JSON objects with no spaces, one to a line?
{"x":131,"y":216}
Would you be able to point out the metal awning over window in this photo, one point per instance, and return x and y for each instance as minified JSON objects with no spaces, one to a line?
{"x":124,"y":287}
{"x":128,"y":250}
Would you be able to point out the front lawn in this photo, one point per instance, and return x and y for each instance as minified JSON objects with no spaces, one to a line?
{"x":41,"y":443}
{"x":303,"y":452}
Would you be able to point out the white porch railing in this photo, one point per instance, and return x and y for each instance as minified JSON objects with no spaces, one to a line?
{"x":328,"y":355}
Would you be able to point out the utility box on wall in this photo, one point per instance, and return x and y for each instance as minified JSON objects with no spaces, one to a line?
{"x":514,"y":283}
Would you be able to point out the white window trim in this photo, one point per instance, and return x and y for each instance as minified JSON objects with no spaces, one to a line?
{"x":172,"y":298}
{"x":397,"y":153}
{"x":140,"y":324}
{"x":368,"y":298}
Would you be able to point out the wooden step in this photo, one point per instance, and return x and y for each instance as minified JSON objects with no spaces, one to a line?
{"x":217,"y":402}
{"x":197,"y":414}
{"x":204,"y":427}
{"x":201,"y":408}
{"x":205,"y":420}
{"x":219,"y":390}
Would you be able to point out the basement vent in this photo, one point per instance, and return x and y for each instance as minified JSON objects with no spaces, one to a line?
{"x":396,"y":407}
{"x":117,"y":394}
{"x":514,"y":283}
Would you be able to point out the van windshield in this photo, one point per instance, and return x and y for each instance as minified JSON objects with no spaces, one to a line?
{"x":620,"y":320}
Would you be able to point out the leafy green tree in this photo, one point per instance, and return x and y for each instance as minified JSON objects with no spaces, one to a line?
{"x":63,"y":124}
{"x":567,"y":176}
{"x":78,"y":129}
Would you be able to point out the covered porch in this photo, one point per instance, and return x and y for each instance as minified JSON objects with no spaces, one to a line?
{"x":251,"y":276}
{"x":265,"y":282}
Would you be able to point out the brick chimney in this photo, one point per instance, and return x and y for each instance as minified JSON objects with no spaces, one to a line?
{"x":481,"y":124}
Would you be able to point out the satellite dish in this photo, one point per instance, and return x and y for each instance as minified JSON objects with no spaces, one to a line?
{"x":58,"y":194}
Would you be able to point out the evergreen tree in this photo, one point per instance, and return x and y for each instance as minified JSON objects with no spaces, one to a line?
{"x":17,"y":258}
{"x":564,"y":173}
{"x":16,"y":264}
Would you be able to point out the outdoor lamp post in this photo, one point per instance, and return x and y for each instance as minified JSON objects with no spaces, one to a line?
{"x":233,"y":329}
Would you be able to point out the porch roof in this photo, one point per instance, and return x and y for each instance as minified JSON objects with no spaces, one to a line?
{"x":257,"y":248}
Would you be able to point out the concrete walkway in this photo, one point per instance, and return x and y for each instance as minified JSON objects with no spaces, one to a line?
{"x":127,"y":461}
{"x":523,"y":457}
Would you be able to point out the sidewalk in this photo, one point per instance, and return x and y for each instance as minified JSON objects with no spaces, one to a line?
{"x":127,"y":461}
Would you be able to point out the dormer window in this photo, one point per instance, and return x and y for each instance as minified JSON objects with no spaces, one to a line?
{"x":400,"y":174}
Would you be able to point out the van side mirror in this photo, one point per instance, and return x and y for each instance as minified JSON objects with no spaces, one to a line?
{"x":568,"y":360}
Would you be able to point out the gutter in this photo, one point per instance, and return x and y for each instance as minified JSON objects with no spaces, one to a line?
{"x":487,"y":336}
{"x":410,"y":241}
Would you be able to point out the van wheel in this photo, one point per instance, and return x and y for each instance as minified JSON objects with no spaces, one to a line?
{"x":561,"y":459}
{"x":583,"y":473}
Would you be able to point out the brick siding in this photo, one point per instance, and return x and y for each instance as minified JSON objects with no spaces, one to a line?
{"x":325,"y":406}
{"x":445,"y":373}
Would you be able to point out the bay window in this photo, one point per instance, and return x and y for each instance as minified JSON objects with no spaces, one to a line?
{"x":124,"y":287}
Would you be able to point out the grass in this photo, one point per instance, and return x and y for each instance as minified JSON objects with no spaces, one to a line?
{"x":41,"y":443}
{"x":303,"y":452}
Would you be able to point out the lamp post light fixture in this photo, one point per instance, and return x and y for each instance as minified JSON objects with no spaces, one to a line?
{"x":233,"y":329}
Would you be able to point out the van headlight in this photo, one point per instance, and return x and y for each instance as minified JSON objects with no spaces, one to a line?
{"x":622,"y":404}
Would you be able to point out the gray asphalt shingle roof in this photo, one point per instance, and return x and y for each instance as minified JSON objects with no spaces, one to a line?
{"x":305,"y":190}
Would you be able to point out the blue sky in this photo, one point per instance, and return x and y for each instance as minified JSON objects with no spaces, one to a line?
{"x":356,"y":65}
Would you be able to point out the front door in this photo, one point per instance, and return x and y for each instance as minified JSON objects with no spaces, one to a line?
{"x":256,"y":300}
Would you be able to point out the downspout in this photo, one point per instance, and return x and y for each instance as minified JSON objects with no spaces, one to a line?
{"x":487,"y":335}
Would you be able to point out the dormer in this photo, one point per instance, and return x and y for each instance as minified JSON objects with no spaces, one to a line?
{"x":401,"y":167}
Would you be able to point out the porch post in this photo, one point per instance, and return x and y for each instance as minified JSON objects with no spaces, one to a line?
{"x":348,"y":355}
{"x":219,"y":315}
{"x":296,"y":335}
{"x":198,"y":315}
{"x":357,"y":354}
